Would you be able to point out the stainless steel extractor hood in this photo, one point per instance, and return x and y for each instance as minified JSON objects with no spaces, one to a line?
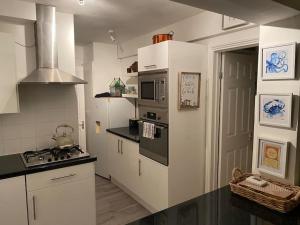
{"x":47,"y":71}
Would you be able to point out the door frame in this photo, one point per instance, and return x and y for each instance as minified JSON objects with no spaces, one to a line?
{"x":212,"y":154}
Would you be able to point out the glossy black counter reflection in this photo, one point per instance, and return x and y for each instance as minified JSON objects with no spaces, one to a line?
{"x":125,"y":132}
{"x":220,"y":207}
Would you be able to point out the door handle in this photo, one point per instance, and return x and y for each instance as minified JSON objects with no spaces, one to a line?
{"x":250,"y":136}
{"x":63,"y":177}
{"x":140,"y":169}
{"x":34,"y":209}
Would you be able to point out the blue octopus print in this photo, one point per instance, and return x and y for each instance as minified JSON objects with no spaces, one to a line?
{"x":273,"y":108}
{"x":277,"y":62}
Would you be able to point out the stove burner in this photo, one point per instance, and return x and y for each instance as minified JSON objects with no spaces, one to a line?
{"x":46,"y":156}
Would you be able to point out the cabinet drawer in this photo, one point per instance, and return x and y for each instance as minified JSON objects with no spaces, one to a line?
{"x":59,"y":176}
{"x":153,"y":57}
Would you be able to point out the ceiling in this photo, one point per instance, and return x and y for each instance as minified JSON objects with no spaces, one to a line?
{"x":256,"y":11}
{"x":128,"y":18}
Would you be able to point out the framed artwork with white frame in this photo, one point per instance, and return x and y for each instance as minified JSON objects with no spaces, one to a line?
{"x":278,"y":61}
{"x":189,"y":84}
{"x":275,"y":110}
{"x":272,"y":156}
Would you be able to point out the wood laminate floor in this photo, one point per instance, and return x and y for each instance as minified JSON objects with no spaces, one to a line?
{"x":114,"y":206}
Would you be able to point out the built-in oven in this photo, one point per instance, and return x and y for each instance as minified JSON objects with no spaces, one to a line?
{"x":153,"y":88}
{"x":157,"y":147}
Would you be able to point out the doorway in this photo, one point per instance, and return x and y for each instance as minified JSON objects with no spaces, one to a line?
{"x":238,"y":79}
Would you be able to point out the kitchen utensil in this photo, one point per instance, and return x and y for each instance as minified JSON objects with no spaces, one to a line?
{"x":64,"y":140}
{"x":162,"y":37}
{"x":133,"y":124}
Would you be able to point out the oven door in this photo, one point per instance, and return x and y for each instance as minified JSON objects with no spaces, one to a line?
{"x":153,"y":88}
{"x":156,"y":149}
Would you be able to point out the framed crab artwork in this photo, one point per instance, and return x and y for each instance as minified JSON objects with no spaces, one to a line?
{"x":279,"y":62}
{"x":275,"y":110}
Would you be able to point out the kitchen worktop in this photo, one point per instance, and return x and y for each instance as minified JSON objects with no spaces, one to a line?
{"x":220,"y":207}
{"x":13,"y":166}
{"x":125,"y":132}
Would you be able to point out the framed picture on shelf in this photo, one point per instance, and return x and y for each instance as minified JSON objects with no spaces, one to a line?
{"x":275,"y":110}
{"x":278,"y":62}
{"x":231,"y":22}
{"x":272,"y":157}
{"x":189,"y":90}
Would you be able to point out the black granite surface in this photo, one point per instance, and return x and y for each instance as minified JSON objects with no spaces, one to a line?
{"x":13,"y":166}
{"x":125,"y":132}
{"x":220,"y":207}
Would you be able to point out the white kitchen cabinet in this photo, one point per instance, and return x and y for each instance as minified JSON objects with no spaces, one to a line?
{"x":9,"y":102}
{"x":123,"y":156}
{"x":153,"y":183}
{"x":143,"y":177}
{"x":153,"y":57}
{"x":63,"y":196}
{"x":13,"y":208}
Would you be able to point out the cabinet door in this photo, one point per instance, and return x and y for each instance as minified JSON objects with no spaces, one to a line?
{"x":153,"y":57}
{"x":63,"y":204}
{"x":153,"y":183}
{"x":114,"y":153}
{"x":8,"y":78}
{"x":129,"y":157}
{"x":13,"y":208}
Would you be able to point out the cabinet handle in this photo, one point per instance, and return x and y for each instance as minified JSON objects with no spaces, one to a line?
{"x":150,"y":66}
{"x":121,"y":147}
{"x":118,"y":146}
{"x":34,"y":210}
{"x":140,"y":169}
{"x":63,"y":177}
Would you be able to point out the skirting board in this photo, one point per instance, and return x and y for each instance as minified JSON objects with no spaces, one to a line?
{"x":134,"y":196}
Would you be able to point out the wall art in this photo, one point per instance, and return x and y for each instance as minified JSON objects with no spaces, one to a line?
{"x":272,"y":157}
{"x":279,"y":62}
{"x":275,"y":109}
{"x":189,"y":90}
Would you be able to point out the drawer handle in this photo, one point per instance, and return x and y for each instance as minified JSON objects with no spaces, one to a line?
{"x":34,"y":207}
{"x":63,"y":177}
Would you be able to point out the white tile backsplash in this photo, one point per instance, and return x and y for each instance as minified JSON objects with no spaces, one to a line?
{"x":43,"y":108}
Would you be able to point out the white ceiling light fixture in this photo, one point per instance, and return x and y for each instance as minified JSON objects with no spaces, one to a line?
{"x":81,"y":2}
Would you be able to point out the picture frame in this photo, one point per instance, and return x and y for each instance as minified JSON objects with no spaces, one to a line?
{"x":278,"y":61}
{"x":189,"y":85}
{"x":231,"y":22}
{"x":276,"y":110}
{"x":272,"y":156}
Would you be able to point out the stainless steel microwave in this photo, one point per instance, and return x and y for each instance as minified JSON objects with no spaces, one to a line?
{"x":153,"y":88}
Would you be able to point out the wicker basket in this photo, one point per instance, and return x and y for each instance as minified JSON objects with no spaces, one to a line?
{"x":280,"y":205}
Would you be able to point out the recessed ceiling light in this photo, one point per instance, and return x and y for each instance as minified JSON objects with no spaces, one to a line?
{"x":81,"y":2}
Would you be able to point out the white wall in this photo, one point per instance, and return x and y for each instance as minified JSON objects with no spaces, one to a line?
{"x":42,"y":107}
{"x":269,"y":36}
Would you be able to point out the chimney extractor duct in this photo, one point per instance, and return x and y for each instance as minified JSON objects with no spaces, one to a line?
{"x":47,"y":71}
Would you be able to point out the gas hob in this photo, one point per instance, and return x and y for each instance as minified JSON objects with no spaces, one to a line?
{"x":53,"y":155}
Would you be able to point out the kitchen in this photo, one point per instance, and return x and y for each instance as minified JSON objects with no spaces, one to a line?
{"x":153,"y":167}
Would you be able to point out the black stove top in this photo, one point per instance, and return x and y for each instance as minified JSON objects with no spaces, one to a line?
{"x":53,"y":155}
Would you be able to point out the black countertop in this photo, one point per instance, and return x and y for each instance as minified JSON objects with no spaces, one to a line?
{"x":220,"y":207}
{"x":125,"y":132}
{"x":13,"y":166}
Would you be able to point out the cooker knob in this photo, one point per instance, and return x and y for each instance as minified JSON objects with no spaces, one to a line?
{"x":55,"y":158}
{"x":62,"y":158}
{"x":159,"y":118}
{"x":49,"y":160}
